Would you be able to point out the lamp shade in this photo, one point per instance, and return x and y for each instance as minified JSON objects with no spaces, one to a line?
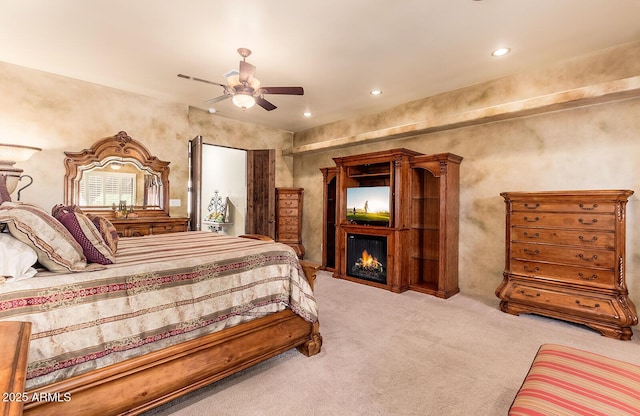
{"x":12,"y":153}
{"x":9,"y":155}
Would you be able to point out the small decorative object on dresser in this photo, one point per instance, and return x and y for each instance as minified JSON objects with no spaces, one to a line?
{"x":565,"y":258}
{"x":289,"y":218}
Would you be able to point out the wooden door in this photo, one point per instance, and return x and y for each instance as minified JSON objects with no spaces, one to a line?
{"x":195,"y":182}
{"x":261,"y":198}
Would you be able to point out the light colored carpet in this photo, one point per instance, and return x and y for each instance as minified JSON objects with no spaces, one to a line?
{"x":398,"y":354}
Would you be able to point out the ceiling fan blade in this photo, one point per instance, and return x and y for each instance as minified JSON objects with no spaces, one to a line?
{"x":265,"y":104}
{"x":246,"y":72}
{"x":200,"y":79}
{"x":217,"y":99}
{"x":283,"y":90}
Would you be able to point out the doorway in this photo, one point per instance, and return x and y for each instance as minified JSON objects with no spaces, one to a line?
{"x":244,"y":180}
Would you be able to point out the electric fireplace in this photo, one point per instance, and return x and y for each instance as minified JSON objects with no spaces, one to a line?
{"x":367,"y":257}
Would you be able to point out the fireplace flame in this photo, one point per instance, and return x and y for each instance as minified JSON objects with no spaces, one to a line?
{"x":368,"y":261}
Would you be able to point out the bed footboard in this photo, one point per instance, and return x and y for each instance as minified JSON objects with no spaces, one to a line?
{"x":140,"y":384}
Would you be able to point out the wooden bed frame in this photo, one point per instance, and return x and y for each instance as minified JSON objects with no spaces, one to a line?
{"x":140,"y":384}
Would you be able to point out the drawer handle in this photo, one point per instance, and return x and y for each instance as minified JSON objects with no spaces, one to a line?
{"x":531,"y":252}
{"x":583,"y":222}
{"x":594,"y":206}
{"x":522,"y":292}
{"x":594,"y":257}
{"x":536,"y":235}
{"x":592,"y":277}
{"x":533,"y":220}
{"x":595,"y":237}
{"x":531,"y":207}
{"x":595,"y":306}
{"x":527,"y":269}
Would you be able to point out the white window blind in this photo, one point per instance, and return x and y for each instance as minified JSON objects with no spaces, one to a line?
{"x":106,"y":189}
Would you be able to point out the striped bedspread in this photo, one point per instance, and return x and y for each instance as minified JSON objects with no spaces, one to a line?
{"x":163,"y":290}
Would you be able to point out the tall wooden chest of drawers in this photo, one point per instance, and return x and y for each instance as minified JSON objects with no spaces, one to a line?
{"x":289,"y":218}
{"x":565,"y":258}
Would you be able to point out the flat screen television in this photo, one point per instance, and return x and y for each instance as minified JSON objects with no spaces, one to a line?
{"x":369,"y":205}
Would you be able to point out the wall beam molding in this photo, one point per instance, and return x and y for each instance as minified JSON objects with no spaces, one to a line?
{"x":605,"y":92}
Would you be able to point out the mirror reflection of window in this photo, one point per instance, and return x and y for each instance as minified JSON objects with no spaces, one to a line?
{"x":106,"y":188}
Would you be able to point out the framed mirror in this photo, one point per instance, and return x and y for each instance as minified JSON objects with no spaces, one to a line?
{"x":117,"y":170}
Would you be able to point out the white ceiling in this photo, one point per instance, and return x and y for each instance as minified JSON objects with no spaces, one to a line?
{"x":338,"y":50}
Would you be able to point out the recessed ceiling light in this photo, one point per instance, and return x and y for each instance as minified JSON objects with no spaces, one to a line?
{"x":375,"y":92}
{"x":307,"y":114}
{"x":212,"y":110}
{"x":500,"y":52}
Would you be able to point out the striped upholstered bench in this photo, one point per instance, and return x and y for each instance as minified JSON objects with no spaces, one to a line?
{"x":568,"y":381}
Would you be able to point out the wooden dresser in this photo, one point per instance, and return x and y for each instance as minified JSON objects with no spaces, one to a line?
{"x":565,"y":258}
{"x":138,"y":227}
{"x":289,"y":218}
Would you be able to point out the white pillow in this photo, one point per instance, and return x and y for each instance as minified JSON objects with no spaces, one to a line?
{"x":16,"y":258}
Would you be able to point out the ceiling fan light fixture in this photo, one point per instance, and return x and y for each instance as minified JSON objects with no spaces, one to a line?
{"x":244,"y":89}
{"x":244,"y":101}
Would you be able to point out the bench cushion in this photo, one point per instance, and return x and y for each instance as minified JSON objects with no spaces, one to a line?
{"x":568,"y":381}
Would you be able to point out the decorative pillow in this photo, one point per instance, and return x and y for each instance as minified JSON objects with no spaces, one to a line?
{"x":22,"y":258}
{"x":86,"y":234}
{"x":59,"y":208}
{"x":107,"y":231}
{"x":56,"y":248}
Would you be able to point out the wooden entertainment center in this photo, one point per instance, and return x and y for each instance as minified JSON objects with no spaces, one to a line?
{"x":409,"y":241}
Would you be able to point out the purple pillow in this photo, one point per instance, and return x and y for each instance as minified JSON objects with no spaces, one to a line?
{"x":86,"y":234}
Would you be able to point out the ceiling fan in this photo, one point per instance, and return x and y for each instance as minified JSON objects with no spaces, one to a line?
{"x":244,"y":88}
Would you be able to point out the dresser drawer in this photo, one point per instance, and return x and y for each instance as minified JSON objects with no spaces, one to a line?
{"x":595,"y":207}
{"x":134,"y":230}
{"x":289,"y":195}
{"x":288,"y":212}
{"x":284,"y":228}
{"x":572,"y":303}
{"x":578,"y":238}
{"x":288,"y":220}
{"x":566,"y":255}
{"x":288,"y":203}
{"x":288,"y":237}
{"x":569,"y":220}
{"x":560,"y":273}
{"x":168,"y":228}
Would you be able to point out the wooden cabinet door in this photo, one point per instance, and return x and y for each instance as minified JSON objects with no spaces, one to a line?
{"x":261,"y":192}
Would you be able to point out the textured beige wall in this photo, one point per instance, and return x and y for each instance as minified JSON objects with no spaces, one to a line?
{"x":595,"y":147}
{"x":60,"y":114}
